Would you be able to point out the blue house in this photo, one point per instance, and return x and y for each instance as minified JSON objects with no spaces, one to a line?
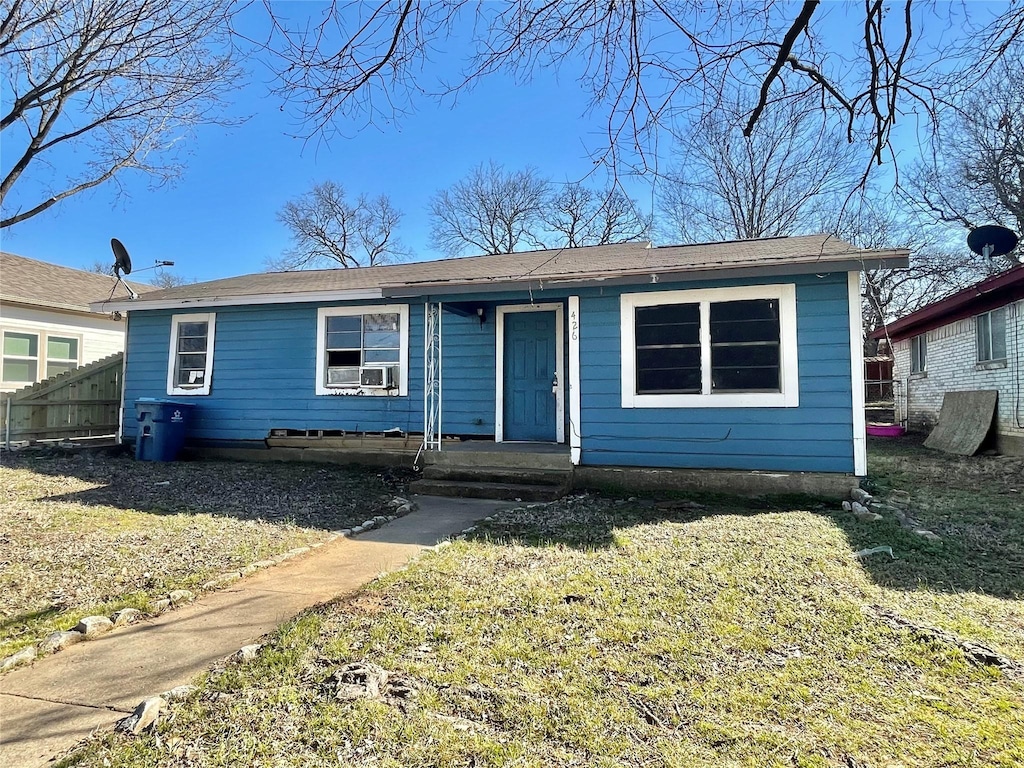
{"x":628,"y":363}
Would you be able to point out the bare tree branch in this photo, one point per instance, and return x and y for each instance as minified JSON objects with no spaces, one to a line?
{"x":647,"y":65}
{"x":122,"y":81}
{"x":976,"y":174}
{"x":490,"y":211}
{"x":790,"y":177}
{"x":329,"y":231}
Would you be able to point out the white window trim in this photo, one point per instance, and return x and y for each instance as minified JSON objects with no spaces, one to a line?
{"x":39,"y":359}
{"x":176,"y":320}
{"x":402,"y":310}
{"x":788,"y":397}
{"x":991,"y":337}
{"x":575,"y":401}
{"x":499,"y":366}
{"x":42,"y":358}
{"x":860,"y":436}
{"x":923,"y":370}
{"x":45,"y":359}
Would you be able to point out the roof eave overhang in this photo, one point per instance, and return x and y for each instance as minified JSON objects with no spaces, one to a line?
{"x":897,"y":261}
{"x":950,"y":310}
{"x":876,"y":260}
{"x":77,"y":309}
{"x":235,"y":301}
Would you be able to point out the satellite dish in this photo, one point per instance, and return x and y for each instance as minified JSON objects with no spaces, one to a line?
{"x":992,"y":240}
{"x":122,"y":261}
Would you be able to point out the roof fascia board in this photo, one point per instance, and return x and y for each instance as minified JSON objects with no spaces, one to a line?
{"x":878,"y":259}
{"x":1004,"y":288}
{"x":241,"y":300}
{"x":71,"y":309}
{"x":646,"y":277}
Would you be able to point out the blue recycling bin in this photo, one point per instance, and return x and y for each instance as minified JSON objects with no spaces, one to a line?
{"x":162,"y":428}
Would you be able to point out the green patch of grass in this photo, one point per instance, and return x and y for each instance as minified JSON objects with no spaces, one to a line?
{"x":598,"y":634}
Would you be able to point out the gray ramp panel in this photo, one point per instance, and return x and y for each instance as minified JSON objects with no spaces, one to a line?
{"x":964,"y":422}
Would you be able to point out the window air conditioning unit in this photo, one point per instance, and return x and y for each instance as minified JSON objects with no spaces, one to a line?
{"x":377,"y":377}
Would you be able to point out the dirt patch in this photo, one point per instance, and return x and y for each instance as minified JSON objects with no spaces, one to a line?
{"x":92,"y":532}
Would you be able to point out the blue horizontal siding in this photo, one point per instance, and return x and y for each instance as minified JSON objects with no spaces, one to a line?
{"x":265,"y":367}
{"x":467,"y":378}
{"x":816,"y":436}
{"x":264,"y":372}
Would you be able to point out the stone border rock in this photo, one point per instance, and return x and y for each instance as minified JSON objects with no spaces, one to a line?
{"x":868,"y":509}
{"x":92,"y":626}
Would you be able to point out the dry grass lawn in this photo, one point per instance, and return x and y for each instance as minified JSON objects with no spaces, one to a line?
{"x":93,"y":532}
{"x":597,"y":632}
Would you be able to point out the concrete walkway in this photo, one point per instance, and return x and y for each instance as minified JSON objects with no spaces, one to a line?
{"x":50,"y":706}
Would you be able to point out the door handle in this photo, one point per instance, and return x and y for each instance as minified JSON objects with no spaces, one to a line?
{"x":554,"y":385}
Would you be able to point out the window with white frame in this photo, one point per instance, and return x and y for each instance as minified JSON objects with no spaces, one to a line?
{"x":31,"y":356}
{"x":190,"y":363}
{"x":722,"y":347}
{"x":21,"y":357}
{"x":919,"y":354}
{"x":61,"y":354}
{"x":991,"y":335}
{"x":362,"y":350}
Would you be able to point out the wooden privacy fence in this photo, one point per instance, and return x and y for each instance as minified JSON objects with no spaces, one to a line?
{"x":84,"y":402}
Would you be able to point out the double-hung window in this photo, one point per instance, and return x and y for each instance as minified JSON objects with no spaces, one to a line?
{"x":29,"y":357}
{"x":190,"y":364}
{"x":919,"y":354}
{"x":61,"y":354}
{"x":21,"y":357}
{"x":724,"y":347}
{"x":362,"y":350}
{"x":991,"y":335}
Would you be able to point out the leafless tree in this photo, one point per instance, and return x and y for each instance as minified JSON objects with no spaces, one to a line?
{"x":792,"y":176}
{"x":936,"y":268}
{"x":580,"y":215}
{"x":96,"y":87}
{"x":646,"y":63}
{"x":490,"y":211}
{"x":330,"y":231}
{"x":976,"y":174}
{"x":164,"y":279}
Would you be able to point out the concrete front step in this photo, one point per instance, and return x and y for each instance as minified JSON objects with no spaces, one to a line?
{"x":506,"y":475}
{"x":511,"y":459}
{"x":471,"y":489}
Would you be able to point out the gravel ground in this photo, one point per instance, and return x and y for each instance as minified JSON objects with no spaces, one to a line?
{"x":91,"y":531}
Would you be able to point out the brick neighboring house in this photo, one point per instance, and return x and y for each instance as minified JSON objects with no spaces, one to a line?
{"x":971,"y":340}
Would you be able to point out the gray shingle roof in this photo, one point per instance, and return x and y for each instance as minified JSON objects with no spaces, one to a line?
{"x":28,"y":281}
{"x":593,"y":262}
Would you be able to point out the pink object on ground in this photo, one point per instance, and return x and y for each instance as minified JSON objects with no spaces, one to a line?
{"x":886,"y":430}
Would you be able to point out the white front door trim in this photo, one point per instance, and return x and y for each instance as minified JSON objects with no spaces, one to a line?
{"x":499,"y":373}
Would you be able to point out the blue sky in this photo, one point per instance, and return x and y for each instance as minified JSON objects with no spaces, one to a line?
{"x":219,"y":220}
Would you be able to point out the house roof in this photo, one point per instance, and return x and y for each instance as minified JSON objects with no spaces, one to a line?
{"x":989,"y":294}
{"x":626,"y":262}
{"x":41,"y":284}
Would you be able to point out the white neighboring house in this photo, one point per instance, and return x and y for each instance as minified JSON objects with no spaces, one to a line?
{"x":46,"y":326}
{"x":972,"y":340}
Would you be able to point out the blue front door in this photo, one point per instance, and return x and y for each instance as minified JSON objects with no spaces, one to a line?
{"x":529,"y":400}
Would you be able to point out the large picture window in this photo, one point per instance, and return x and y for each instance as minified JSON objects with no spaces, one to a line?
{"x":991,"y":335}
{"x":727,"y":347}
{"x":362,"y":350}
{"x":190,"y":364}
